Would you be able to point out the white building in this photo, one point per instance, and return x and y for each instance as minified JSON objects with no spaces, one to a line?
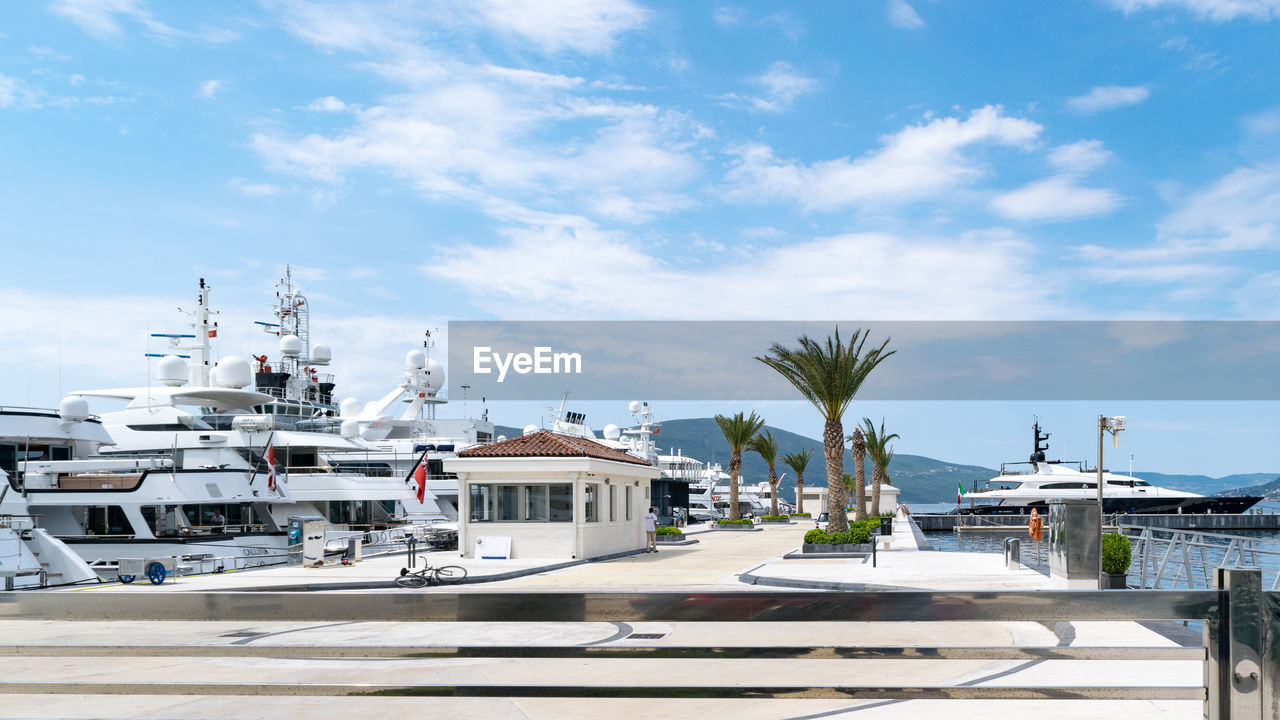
{"x":553,"y":496}
{"x":815,"y":499}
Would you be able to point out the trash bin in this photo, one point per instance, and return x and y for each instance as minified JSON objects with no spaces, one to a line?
{"x":1012,"y":553}
{"x":886,"y":526}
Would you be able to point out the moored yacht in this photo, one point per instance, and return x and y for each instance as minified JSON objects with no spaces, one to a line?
{"x":1022,"y":486}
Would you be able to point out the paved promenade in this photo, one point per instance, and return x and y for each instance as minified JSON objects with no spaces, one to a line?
{"x":268,"y":669}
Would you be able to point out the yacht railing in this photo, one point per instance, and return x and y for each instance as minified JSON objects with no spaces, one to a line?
{"x":1240,"y":652}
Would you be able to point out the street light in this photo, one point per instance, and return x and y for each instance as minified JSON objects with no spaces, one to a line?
{"x":1112,"y":425}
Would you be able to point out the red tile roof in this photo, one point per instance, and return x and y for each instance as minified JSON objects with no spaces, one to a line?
{"x":548,"y":444}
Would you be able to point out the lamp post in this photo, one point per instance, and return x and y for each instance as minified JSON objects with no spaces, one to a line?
{"x":1112,"y":425}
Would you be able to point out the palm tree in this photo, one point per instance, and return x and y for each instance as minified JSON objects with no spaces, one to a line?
{"x":738,"y":430}
{"x":881,"y":453}
{"x":859,"y":467}
{"x":798,"y":461}
{"x":767,"y":448}
{"x":829,"y":376}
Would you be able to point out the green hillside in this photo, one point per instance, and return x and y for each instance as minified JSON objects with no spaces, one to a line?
{"x":1269,"y":490}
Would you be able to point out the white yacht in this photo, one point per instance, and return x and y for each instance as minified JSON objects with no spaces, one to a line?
{"x":1017,"y":490}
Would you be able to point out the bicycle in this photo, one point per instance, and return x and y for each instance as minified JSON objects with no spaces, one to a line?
{"x":441,"y":575}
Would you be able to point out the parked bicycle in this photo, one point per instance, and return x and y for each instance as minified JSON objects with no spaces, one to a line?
{"x":441,"y":575}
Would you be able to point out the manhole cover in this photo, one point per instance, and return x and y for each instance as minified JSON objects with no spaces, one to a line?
{"x":646,"y":636}
{"x":244,"y":633}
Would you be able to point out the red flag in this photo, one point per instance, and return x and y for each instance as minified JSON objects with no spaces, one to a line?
{"x":420,"y":475}
{"x":213,"y":333}
{"x":270,"y":456}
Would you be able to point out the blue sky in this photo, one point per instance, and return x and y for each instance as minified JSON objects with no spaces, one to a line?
{"x":617,"y":159}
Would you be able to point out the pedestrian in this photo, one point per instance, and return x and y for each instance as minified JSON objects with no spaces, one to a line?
{"x":219,"y":520}
{"x":651,"y":530}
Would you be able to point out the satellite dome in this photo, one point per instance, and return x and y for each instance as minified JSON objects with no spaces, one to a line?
{"x":171,"y":371}
{"x":232,"y":371}
{"x":415,"y":359}
{"x":290,"y":345}
{"x":371,"y":408}
{"x":611,"y":432}
{"x":435,"y":377}
{"x":502,"y":438}
{"x":350,"y":428}
{"x":349,"y":407}
{"x":321,"y":354}
{"x":530,"y":429}
{"x":73,"y":409}
{"x":634,"y":406}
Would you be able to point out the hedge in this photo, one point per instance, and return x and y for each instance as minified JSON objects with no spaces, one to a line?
{"x":773,"y":517}
{"x":668,"y":530}
{"x":742,"y":521}
{"x":801,"y":514}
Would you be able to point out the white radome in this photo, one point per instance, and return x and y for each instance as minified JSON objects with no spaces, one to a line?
{"x":350,"y":428}
{"x":612,"y":432}
{"x":349,"y":407}
{"x":171,"y":371}
{"x":73,"y":409}
{"x":530,"y":429}
{"x":321,"y":354}
{"x":502,"y":438}
{"x":634,"y":406}
{"x":435,"y":377}
{"x":415,"y":359}
{"x":290,"y":345}
{"x":232,"y":371}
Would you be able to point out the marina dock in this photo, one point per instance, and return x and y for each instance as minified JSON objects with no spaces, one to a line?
{"x":1207,"y":523}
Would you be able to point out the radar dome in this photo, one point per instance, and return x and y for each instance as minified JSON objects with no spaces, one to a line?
{"x":321,"y":354}
{"x":435,"y":377}
{"x":171,"y":371}
{"x":73,"y":409}
{"x":611,"y":432}
{"x":232,"y":371}
{"x":415,"y":359}
{"x":290,"y":345}
{"x":350,"y":428}
{"x":502,"y":438}
{"x":349,"y":407}
{"x":371,"y":408}
{"x":530,"y":429}
{"x":634,"y":406}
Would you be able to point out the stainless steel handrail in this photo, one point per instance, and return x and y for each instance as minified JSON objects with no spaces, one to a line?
{"x":1240,"y":620}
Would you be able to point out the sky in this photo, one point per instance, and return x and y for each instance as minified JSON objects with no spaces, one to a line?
{"x":616,"y":159}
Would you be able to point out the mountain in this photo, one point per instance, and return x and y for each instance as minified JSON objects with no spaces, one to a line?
{"x":921,"y":479}
{"x":1203,"y":483}
{"x":1268,"y":490}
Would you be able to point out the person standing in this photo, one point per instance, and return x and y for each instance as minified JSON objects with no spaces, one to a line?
{"x":651,"y":530}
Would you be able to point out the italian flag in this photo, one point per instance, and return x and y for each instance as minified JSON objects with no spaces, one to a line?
{"x":960,"y":494}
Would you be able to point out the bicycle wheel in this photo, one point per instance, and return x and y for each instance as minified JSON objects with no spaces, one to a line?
{"x":411,"y":581}
{"x":450,"y":574}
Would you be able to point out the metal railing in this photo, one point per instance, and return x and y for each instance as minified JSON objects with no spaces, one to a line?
{"x":1169,"y":558}
{"x":1241,"y":651}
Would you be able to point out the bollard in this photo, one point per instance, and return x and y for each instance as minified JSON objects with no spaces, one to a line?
{"x":1012,"y":553}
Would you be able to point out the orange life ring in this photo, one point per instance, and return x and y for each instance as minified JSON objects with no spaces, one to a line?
{"x":1035,"y":526}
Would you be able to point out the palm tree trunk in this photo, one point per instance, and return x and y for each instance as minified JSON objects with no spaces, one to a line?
{"x":735,"y":463}
{"x":877,"y":477}
{"x":860,"y":484}
{"x":799,"y":492}
{"x":833,"y":449}
{"x":773,"y":492}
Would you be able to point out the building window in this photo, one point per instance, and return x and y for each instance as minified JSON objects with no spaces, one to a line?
{"x":561,"y":503}
{"x":613,"y":503}
{"x":627,"y":501}
{"x":481,"y":503}
{"x":508,"y":503}
{"x":592,"y":502}
{"x":535,"y":503}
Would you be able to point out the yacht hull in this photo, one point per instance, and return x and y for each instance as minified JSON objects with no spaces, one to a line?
{"x":1136,"y":506}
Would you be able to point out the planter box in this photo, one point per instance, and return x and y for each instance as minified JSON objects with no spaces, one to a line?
{"x":1115,"y":581}
{"x":670,"y":538}
{"x":773,"y":522}
{"x":818,"y":549}
{"x":734,"y":527}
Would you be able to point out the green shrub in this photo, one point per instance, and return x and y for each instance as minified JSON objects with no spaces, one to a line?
{"x":741,"y":521}
{"x":801,"y":514}
{"x":773,"y":517}
{"x":668,"y":530}
{"x":857,"y":534}
{"x":1116,"y":553}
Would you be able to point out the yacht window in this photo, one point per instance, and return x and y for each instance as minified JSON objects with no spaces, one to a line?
{"x":9,"y":458}
{"x":1064,"y":486}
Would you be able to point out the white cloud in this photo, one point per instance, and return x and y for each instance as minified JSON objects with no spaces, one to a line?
{"x":902,"y":15}
{"x":15,"y":93}
{"x":209,"y":88}
{"x":1061,"y":197}
{"x":328,"y":103}
{"x":587,"y":26}
{"x":574,"y":271}
{"x":1216,"y":10}
{"x":919,"y":161}
{"x":726,"y":16}
{"x":101,"y":18}
{"x":253,"y":189}
{"x":76,"y":79}
{"x":1108,"y":97}
{"x":782,"y":85}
